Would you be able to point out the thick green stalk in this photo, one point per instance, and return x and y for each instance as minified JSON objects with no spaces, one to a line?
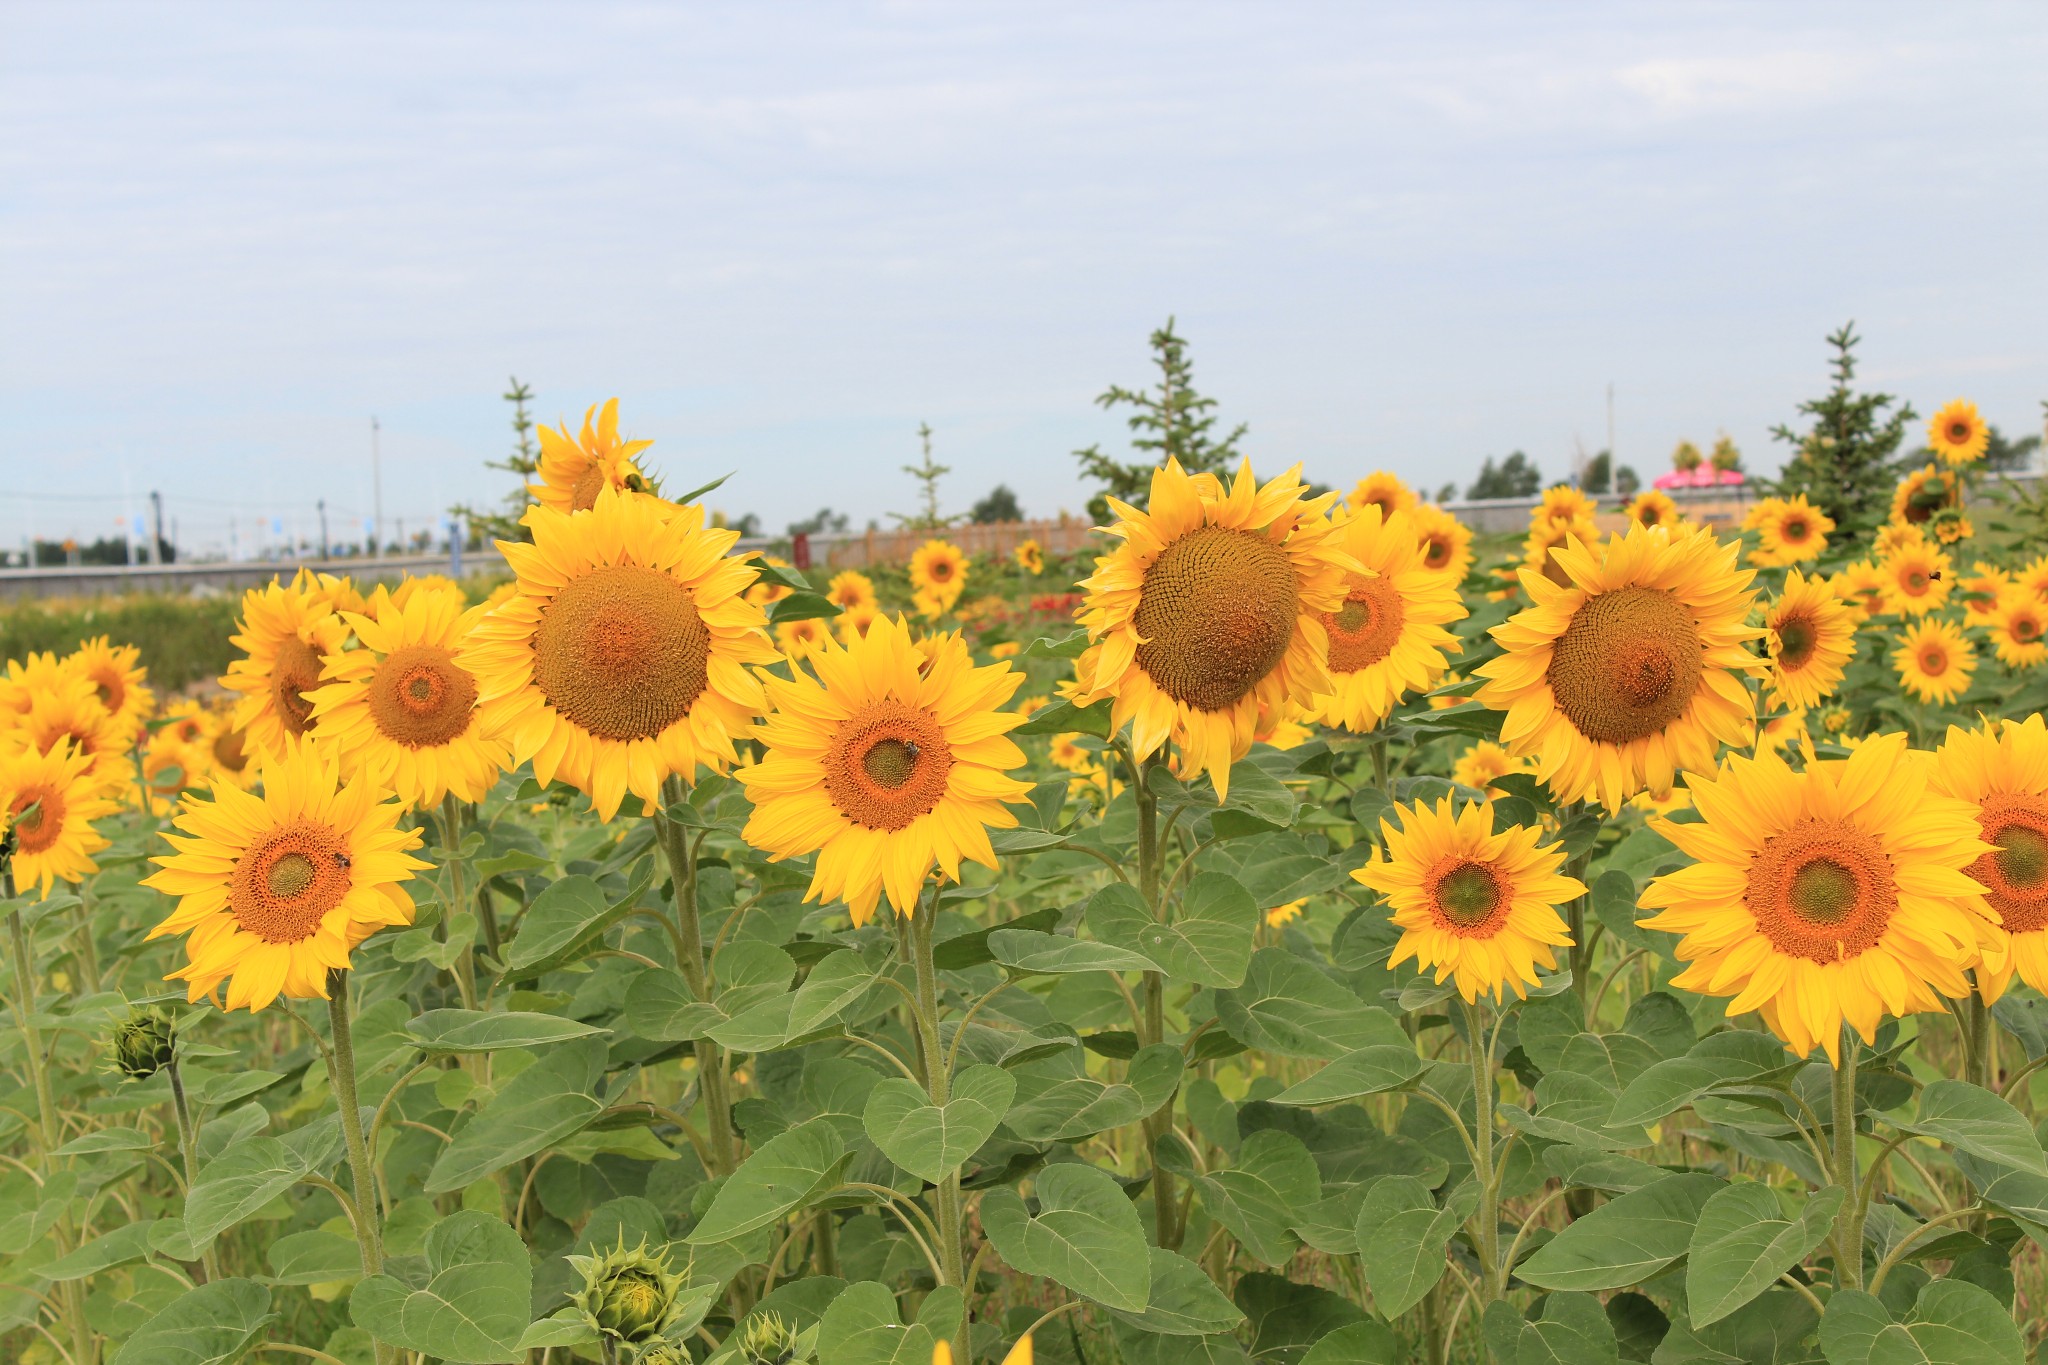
{"x":1849,"y":1222}
{"x":938,"y":1084}
{"x":188,"y":1148}
{"x":342,"y":1074}
{"x":682,"y":870}
{"x":1979,"y":1039}
{"x":88,"y":950}
{"x":454,"y":897}
{"x":1165,"y":1207}
{"x":1491,"y":1274}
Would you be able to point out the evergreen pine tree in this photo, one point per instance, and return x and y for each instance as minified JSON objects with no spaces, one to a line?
{"x":927,"y":473}
{"x":1844,"y":463}
{"x":524,"y":461}
{"x":1175,"y":421}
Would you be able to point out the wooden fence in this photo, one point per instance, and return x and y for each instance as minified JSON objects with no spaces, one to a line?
{"x":995,"y":539}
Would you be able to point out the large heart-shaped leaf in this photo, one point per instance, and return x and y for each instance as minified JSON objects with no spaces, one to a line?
{"x":1574,"y":1330}
{"x":567,"y":920}
{"x":1972,"y":1119}
{"x":475,"y":1304}
{"x":1286,"y":1005}
{"x":783,"y":1174}
{"x":861,"y":1328}
{"x":929,"y":1141}
{"x":1185,"y":1301}
{"x":1209,"y":943}
{"x":253,"y":1172}
{"x":1952,"y":1323}
{"x":1744,"y":1242}
{"x":1624,"y":1242}
{"x":1401,"y":1239}
{"x":441,"y":1031}
{"x":1078,"y":1106}
{"x":549,"y":1101}
{"x":1057,"y":954}
{"x":214,"y":1324}
{"x":1368,"y":1071}
{"x":1085,"y":1236}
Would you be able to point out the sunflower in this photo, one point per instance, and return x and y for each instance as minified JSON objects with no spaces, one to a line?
{"x":1388,"y":638}
{"x":1895,"y":536}
{"x":1788,"y":530}
{"x":276,"y":890}
{"x":886,"y":764}
{"x":1030,"y":557}
{"x":1385,"y":490}
{"x":229,"y":759}
{"x":1837,"y":893}
{"x":1921,"y":494}
{"x":69,"y":712}
{"x":1654,"y":507}
{"x":402,"y":710}
{"x":1860,"y":586}
{"x":185,"y":721}
{"x":2019,"y":629}
{"x":1662,"y":803}
{"x":1834,"y":720}
{"x":1982,"y":591}
{"x":1632,"y":672}
{"x":1786,"y":731}
{"x":1284,"y":730}
{"x":2033,"y":576}
{"x":766,"y":592}
{"x":1446,"y":542}
{"x":117,"y":675}
{"x":2001,"y":770}
{"x":286,"y":632}
{"x":1286,"y":914}
{"x":1951,"y":526}
{"x":413,"y":584}
{"x":1091,"y":771}
{"x":623,"y":657}
{"x":1479,"y":765}
{"x":28,"y":678}
{"x":51,"y":799}
{"x":572,"y":472}
{"x":1810,"y":635}
{"x":1916,"y":579}
{"x":1563,"y":502}
{"x":801,"y":639}
{"x":1934,"y":660}
{"x":1958,"y":434}
{"x":170,"y":765}
{"x":1544,"y":539}
{"x":1473,"y":903}
{"x":1211,"y":607}
{"x":853,"y":623}
{"x":851,"y":588}
{"x":938,"y":568}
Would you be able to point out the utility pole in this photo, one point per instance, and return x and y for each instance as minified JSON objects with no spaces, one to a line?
{"x":1613,"y":457}
{"x":156,"y":545}
{"x":322,"y":505}
{"x":377,"y":489}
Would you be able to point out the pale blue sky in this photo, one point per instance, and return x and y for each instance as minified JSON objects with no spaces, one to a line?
{"x":784,"y":234}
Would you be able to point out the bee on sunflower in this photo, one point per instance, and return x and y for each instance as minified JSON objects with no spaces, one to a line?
{"x":1385,"y":490}
{"x":48,"y":801}
{"x":1917,"y":579}
{"x":1810,"y":635}
{"x":1446,"y":542}
{"x":1211,"y":608}
{"x":1788,"y":531}
{"x":1389,"y":636}
{"x":2001,"y":770}
{"x":1934,"y":661}
{"x":574,"y":470}
{"x":1958,"y":434}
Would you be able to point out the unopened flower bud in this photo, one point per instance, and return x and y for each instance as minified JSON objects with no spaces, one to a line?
{"x":143,"y":1043}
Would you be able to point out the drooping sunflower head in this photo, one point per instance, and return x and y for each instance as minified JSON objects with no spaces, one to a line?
{"x":48,"y":801}
{"x":1934,"y":660}
{"x":1634,"y":670}
{"x":1810,"y":635}
{"x":1917,"y":579}
{"x":1860,"y":586}
{"x":1789,"y":530}
{"x":891,"y":760}
{"x":1211,"y":607}
{"x":938,"y":569}
{"x":1030,"y":557}
{"x":851,"y":588}
{"x":1653,"y":507}
{"x":574,"y":470}
{"x":1389,"y":637}
{"x":286,"y":632}
{"x":2001,"y":770}
{"x":1479,"y":765}
{"x":1385,"y":490}
{"x":403,"y":708}
{"x":1839,"y":893}
{"x":117,"y":676}
{"x":1921,"y":494}
{"x":622,"y":658}
{"x":1475,"y":904}
{"x":1957,"y":434}
{"x":1446,"y":542}
{"x":800,"y":639}
{"x":2019,"y":629}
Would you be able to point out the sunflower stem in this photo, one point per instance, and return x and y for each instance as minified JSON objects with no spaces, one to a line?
{"x":454,"y":896}
{"x":938,"y":1084}
{"x":682,"y":870}
{"x":188,"y":1148}
{"x":1849,"y":1222}
{"x":1487,"y":1243}
{"x":1165,"y":1208}
{"x":342,"y":1074}
{"x":88,"y":950}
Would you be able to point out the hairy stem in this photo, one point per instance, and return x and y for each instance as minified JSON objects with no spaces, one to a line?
{"x":1849,"y":1222}
{"x":682,"y":869}
{"x":1488,"y":1229}
{"x":188,"y":1147}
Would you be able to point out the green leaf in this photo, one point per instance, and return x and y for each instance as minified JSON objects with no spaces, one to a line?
{"x":566,"y":921}
{"x":253,"y":1172}
{"x":1074,"y":1108}
{"x":661,"y":1009}
{"x":549,"y":1101}
{"x":1185,"y":1301}
{"x":108,"y":1140}
{"x":315,"y":1257}
{"x":1594,"y":1169}
{"x":1022,"y":840}
{"x":1209,"y":942}
{"x":1361,"y":1343}
{"x":971,"y":949}
{"x":1258,"y":1197}
{"x":1064,"y":718}
{"x":1086,"y":1236}
{"x":1057,"y":954}
{"x":1573,"y":1330}
{"x":444,"y":1031}
{"x":1623,"y":1243}
{"x":802,"y":606}
{"x":1972,"y":1119}
{"x":1072,"y":645}
{"x":1287,"y":1006}
{"x":1135,"y":1346}
{"x":1368,"y":1071}
{"x":784,"y":1173}
{"x":1286,"y":1318}
{"x":1952,"y":1323}
{"x":476,"y":1301}
{"x":861,"y":1328}
{"x":215,"y":1324}
{"x":129,"y":1242}
{"x":932,"y":1142}
{"x":1716,"y":1060}
{"x":1401,"y":1239}
{"x":1743,"y":1243}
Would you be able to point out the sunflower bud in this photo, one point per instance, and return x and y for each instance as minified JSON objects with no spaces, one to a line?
{"x":661,"y":1352}
{"x":628,"y":1294}
{"x":143,"y":1043}
{"x":767,"y":1340}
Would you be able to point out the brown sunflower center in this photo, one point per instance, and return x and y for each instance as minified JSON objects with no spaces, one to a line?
{"x":1436,"y":552}
{"x":1796,"y":639}
{"x":887,"y":766}
{"x":583,"y":493}
{"x":621,"y":652}
{"x":38,"y":815}
{"x":2016,"y":871}
{"x":1822,"y":890}
{"x":2025,"y":628}
{"x":295,"y":673}
{"x":230,"y":750}
{"x":111,"y":691}
{"x":1959,"y":432}
{"x":1216,"y":613}
{"x":1365,"y":629}
{"x":1934,"y":661}
{"x":1915,"y":581}
{"x":1628,"y":664}
{"x":1469,"y":898}
{"x":1795,"y":530}
{"x":287,"y":881}
{"x":420,"y":697}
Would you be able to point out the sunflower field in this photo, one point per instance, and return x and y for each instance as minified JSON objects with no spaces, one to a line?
{"x":1300,"y":933}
